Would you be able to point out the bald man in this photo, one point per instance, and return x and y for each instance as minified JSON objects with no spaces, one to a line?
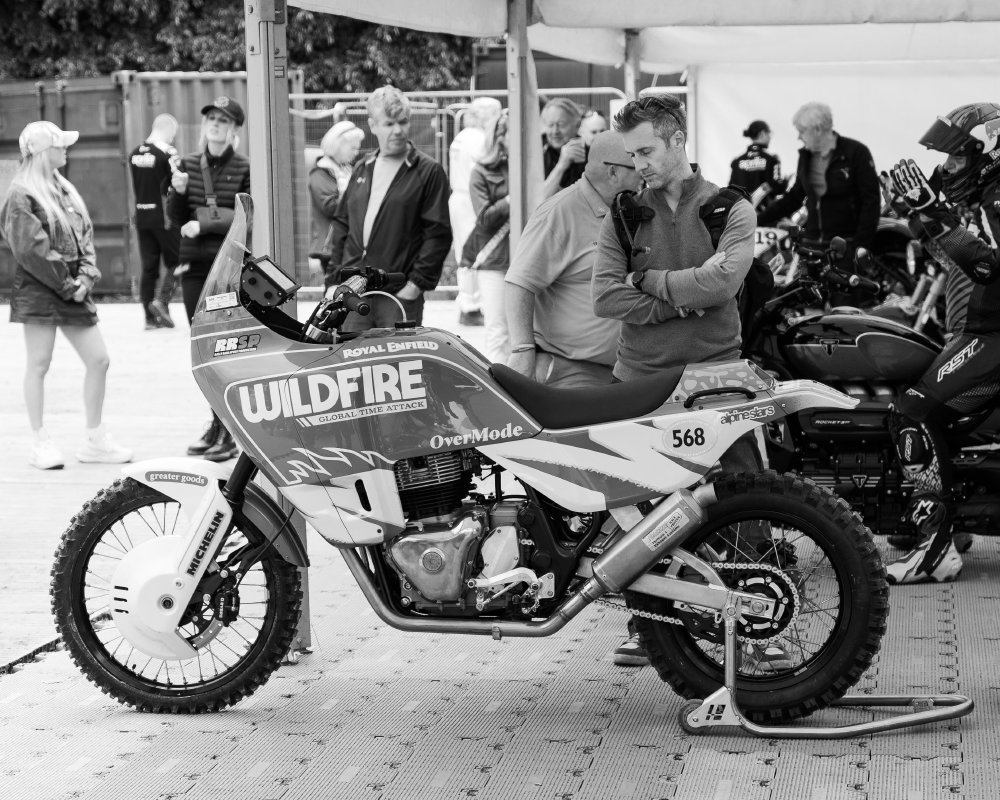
{"x":555,"y":336}
{"x":149,"y":164}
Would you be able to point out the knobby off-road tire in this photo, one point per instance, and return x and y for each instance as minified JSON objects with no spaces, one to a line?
{"x":232,"y":663}
{"x":823,"y":550}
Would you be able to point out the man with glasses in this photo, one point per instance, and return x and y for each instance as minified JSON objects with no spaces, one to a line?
{"x":675,"y":294}
{"x":555,"y":336}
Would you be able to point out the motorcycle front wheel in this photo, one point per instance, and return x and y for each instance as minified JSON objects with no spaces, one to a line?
{"x":241,"y":628}
{"x":802,"y":547}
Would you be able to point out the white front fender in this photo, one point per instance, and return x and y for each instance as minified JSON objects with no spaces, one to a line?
{"x":156,"y":580}
{"x":182,"y":479}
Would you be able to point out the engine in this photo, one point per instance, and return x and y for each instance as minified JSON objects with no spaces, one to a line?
{"x":461,"y":553}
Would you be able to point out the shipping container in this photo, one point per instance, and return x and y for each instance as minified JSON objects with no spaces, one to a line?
{"x":114,"y":114}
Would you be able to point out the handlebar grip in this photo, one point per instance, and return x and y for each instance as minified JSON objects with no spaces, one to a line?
{"x":357,"y":304}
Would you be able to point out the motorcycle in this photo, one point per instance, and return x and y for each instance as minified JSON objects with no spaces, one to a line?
{"x":177,"y":588}
{"x":871,"y":355}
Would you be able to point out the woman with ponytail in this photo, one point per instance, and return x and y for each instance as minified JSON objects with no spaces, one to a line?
{"x":50,"y":234}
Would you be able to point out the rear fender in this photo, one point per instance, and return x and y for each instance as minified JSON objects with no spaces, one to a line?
{"x":189,"y":480}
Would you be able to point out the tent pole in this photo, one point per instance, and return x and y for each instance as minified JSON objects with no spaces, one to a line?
{"x":632,"y":68}
{"x":518,"y":53}
{"x":267,"y":130}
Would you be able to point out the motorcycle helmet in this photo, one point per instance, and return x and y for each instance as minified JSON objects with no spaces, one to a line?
{"x":971,"y":132}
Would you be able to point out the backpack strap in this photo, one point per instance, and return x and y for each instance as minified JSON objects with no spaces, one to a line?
{"x":628,"y":214}
{"x":715,"y":212}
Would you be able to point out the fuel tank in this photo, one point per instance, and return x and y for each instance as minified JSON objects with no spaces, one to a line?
{"x":842,"y":346}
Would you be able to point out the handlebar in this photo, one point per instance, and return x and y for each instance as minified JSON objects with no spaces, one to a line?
{"x":839,"y":278}
{"x":331,"y":312}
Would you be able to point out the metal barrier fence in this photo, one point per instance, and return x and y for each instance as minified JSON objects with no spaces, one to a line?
{"x":113,"y":114}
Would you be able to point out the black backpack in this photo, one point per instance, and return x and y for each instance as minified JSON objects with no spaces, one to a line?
{"x":758,"y":285}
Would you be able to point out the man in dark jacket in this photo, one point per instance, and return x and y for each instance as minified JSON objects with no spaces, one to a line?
{"x":393,"y":215}
{"x":149,"y":164}
{"x":837,"y":180}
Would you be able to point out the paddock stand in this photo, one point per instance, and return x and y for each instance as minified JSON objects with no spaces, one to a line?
{"x":720,"y":709}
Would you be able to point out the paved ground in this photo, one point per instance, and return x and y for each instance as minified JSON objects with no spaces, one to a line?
{"x":381,"y":714}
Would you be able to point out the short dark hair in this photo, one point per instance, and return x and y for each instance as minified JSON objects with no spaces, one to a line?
{"x":665,"y":111}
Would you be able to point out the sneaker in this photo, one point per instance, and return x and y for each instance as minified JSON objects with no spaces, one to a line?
{"x":471,"y":318}
{"x":771,"y":656}
{"x":44,"y":453}
{"x":908,"y":568}
{"x":161,"y":311}
{"x":631,"y":653}
{"x":99,"y":448}
{"x":963,"y":541}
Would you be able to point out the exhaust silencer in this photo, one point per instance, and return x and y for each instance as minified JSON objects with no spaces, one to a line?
{"x":665,"y":527}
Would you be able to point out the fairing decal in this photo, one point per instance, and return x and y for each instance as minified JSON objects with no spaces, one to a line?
{"x":632,"y":460}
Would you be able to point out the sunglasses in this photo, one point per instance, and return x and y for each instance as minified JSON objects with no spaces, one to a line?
{"x":659,"y":103}
{"x":618,"y":164}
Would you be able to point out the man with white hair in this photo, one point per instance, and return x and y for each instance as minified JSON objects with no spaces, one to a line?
{"x":836,"y":179}
{"x":465,"y":151}
{"x":149,"y":164}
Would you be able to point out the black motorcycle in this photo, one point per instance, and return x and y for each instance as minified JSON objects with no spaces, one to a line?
{"x":871,"y":355}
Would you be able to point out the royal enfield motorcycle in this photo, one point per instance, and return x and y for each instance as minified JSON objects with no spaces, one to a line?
{"x":177,"y":588}
{"x":871,"y":355}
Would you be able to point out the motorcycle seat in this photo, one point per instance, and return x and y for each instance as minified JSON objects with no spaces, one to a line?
{"x":557,"y":408}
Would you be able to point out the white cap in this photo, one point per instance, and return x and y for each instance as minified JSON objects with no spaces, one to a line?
{"x":39,"y":136}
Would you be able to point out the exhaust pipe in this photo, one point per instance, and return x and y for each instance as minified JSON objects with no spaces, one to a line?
{"x":665,"y":527}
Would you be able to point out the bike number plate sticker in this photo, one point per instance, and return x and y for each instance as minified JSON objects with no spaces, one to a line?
{"x":694,"y":435}
{"x":657,"y":537}
{"x":216,"y":301}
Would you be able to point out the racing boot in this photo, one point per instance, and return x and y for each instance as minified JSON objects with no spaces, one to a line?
{"x":224,"y":447}
{"x":208,"y":438}
{"x":936,"y":558}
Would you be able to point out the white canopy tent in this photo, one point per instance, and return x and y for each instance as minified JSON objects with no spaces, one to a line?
{"x":886,"y":67}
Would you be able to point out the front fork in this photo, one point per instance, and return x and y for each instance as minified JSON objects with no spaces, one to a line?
{"x":156,"y":582}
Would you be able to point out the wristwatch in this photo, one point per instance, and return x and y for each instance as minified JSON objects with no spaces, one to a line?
{"x":640,"y":276}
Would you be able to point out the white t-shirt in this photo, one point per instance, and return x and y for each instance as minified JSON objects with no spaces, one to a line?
{"x":386,"y":168}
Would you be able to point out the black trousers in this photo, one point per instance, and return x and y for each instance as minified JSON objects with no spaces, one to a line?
{"x":156,"y":245}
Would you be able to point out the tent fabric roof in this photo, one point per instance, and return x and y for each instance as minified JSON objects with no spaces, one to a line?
{"x":489,"y":17}
{"x":668,"y":49}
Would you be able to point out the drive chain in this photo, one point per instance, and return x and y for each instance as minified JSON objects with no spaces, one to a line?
{"x":717,"y":566}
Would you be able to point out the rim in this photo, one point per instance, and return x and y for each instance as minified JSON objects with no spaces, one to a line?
{"x":795,"y":567}
{"x":222,"y":649}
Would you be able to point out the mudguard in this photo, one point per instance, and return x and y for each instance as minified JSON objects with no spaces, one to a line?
{"x":187,"y":480}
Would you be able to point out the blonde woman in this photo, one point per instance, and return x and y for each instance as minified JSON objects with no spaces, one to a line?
{"x":51,"y":236}
{"x":211,"y":176}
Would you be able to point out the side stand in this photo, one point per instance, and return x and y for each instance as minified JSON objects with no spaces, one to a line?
{"x":720,"y":709}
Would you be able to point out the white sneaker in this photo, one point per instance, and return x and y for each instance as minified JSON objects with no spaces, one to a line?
{"x":44,"y":453}
{"x":99,"y":448}
{"x":907,"y":569}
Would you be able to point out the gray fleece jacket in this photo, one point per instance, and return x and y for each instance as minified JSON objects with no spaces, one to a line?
{"x":655,"y":334}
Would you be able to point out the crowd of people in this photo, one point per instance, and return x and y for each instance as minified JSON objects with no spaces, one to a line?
{"x":588,"y":296}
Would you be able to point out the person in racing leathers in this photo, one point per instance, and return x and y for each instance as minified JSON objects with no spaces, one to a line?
{"x":966,"y":375}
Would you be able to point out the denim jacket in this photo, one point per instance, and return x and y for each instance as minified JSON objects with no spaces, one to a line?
{"x":47,"y":263}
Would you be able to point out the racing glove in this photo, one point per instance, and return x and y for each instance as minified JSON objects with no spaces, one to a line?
{"x":910,"y":183}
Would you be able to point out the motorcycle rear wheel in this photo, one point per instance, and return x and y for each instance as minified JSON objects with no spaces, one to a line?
{"x":796,"y":543}
{"x":234,"y":658}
